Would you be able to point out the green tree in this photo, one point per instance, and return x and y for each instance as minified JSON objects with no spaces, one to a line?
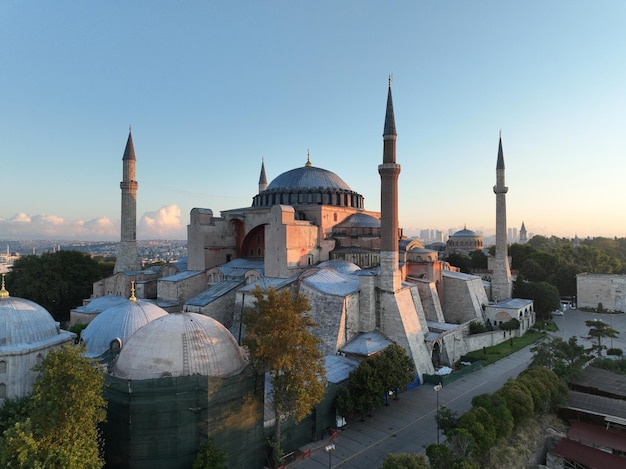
{"x":565,"y":358}
{"x":497,"y":408}
{"x":545,"y":296}
{"x":481,"y":426}
{"x":57,"y":281}
{"x":447,"y":419}
{"x":405,"y":461}
{"x":280,"y":341}
{"x":12,"y":411}
{"x":478,"y":260}
{"x":439,"y":456}
{"x":366,"y":388}
{"x":209,"y":457}
{"x":66,"y":408}
{"x":518,"y":400}
{"x":462,"y":261}
{"x":600,"y":330}
{"x":394,"y":367}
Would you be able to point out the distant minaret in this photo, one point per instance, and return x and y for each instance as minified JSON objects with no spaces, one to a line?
{"x":522,"y":234}
{"x":501,"y":278}
{"x":262,"y":178}
{"x":389,"y":171}
{"x":127,"y":255}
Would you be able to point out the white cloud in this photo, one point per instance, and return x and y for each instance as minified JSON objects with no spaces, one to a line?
{"x":165,"y":223}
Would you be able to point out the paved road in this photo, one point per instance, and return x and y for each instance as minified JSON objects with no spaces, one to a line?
{"x":408,"y":425}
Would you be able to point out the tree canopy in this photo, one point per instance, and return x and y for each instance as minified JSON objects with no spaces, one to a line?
{"x":280,"y":341}
{"x":58,"y":281}
{"x":64,"y":412}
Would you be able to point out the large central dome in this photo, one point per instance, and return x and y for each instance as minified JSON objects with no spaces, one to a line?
{"x":308,"y":185}
{"x":308,"y":177}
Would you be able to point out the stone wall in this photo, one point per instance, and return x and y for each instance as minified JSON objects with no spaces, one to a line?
{"x":608,"y":289}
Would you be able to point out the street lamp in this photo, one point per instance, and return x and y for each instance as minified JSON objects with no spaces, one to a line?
{"x":437,"y":389}
{"x":329,"y":448}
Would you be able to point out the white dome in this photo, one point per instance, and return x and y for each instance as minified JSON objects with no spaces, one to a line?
{"x":118,"y":322}
{"x":180,"y":345}
{"x":24,"y":322}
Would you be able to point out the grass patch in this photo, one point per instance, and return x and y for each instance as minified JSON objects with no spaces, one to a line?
{"x":506,"y":348}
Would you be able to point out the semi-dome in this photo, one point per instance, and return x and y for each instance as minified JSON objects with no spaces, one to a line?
{"x":118,"y":322}
{"x":179,"y":345}
{"x":24,"y":322}
{"x":308,"y":185}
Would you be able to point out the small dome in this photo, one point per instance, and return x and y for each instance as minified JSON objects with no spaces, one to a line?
{"x":180,"y":345}
{"x":24,"y":322}
{"x":340,"y":265}
{"x":118,"y":322}
{"x":308,"y":177}
{"x":465,"y":233}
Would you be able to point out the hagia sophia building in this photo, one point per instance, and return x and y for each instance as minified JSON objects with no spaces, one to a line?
{"x":171,"y":335}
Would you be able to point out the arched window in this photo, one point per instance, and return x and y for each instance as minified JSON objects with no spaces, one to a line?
{"x":3,"y":366}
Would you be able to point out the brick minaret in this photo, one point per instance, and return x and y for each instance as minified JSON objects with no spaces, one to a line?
{"x":127,"y":255}
{"x":389,"y":171}
{"x":501,"y":277}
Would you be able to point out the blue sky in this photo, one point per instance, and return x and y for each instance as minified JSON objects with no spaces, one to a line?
{"x":210,"y":88}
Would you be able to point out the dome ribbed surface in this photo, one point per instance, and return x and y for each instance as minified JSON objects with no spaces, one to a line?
{"x":465,"y":233}
{"x":118,"y":322}
{"x":308,"y":177}
{"x":180,"y":345}
{"x":97,"y":305}
{"x":24,"y":322}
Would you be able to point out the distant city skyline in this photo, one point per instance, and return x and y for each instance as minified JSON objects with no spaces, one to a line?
{"x":212,"y":88}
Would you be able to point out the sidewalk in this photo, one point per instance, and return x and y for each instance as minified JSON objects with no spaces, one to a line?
{"x":407,"y":425}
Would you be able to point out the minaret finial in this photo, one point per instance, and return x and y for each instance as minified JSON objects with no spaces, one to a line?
{"x":132,"y":291}
{"x":308,"y":158}
{"x":3,"y":292}
{"x":390,"y":78}
{"x":500,"y":133}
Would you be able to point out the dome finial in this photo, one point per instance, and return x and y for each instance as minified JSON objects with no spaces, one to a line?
{"x":308,"y":158}
{"x":132,"y":291}
{"x":3,"y":292}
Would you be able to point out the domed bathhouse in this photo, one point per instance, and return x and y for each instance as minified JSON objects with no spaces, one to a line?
{"x":27,"y":333}
{"x":178,"y":380}
{"x":115,"y":325}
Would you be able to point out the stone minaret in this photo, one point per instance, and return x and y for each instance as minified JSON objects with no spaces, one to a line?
{"x":501,"y":277}
{"x":398,"y":311}
{"x":127,"y":255}
{"x":262,"y":178}
{"x":523,"y":236}
{"x":389,"y":171}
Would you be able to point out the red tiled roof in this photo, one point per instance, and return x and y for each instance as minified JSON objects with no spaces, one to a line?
{"x":588,"y":456}
{"x":597,"y":435}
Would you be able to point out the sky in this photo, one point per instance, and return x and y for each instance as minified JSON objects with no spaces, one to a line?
{"x":211,"y":88}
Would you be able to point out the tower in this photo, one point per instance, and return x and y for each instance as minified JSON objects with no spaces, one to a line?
{"x":127,"y":255}
{"x":522,"y":234}
{"x":501,"y":278}
{"x":389,"y":171}
{"x":399,"y":313}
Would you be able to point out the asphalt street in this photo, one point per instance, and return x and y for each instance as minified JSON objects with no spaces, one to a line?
{"x":408,"y":425}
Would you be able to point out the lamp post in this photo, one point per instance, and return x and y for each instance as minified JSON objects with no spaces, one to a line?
{"x":329,"y":448}
{"x":437,"y":389}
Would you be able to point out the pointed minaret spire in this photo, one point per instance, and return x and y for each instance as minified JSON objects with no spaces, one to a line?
{"x":501,"y":286}
{"x":262,"y":177}
{"x":390,"y":278}
{"x":127,"y":255}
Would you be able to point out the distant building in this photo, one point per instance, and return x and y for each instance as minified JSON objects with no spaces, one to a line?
{"x":464,"y":242}
{"x":606,"y":289}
